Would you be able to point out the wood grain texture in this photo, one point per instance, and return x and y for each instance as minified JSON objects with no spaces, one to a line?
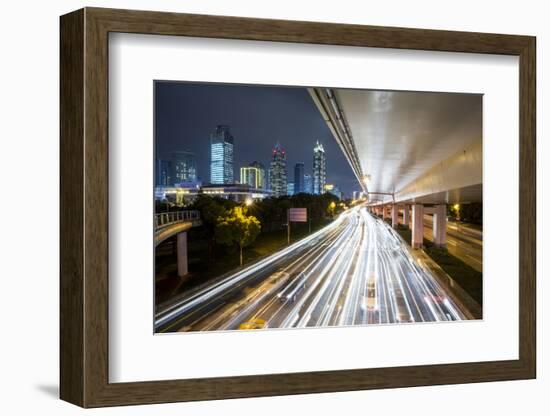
{"x":84,"y":207}
{"x":71,"y":100}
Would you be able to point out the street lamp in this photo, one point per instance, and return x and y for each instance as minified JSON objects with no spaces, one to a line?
{"x":248,"y":202}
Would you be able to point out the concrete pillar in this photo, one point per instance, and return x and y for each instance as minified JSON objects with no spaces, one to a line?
{"x":182,"y":254}
{"x":385,"y":213}
{"x":394,"y":215}
{"x":440,"y":225}
{"x":417,"y":225}
{"x":406,"y":216}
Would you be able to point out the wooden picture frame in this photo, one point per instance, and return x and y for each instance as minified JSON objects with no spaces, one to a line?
{"x":84,"y":207}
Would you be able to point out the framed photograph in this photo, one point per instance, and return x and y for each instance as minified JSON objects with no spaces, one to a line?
{"x":261,"y":207}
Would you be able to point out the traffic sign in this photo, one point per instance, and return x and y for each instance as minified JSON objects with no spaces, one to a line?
{"x":298,"y":214}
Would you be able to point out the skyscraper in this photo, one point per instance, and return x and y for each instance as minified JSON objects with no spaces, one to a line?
{"x":308,"y":183}
{"x":164,"y":173}
{"x":290,"y":188}
{"x":334,"y":190}
{"x":299,"y":178}
{"x":221,"y":156}
{"x":253,"y":175}
{"x":319,"y":169}
{"x":277,"y":172}
{"x":184,"y":167}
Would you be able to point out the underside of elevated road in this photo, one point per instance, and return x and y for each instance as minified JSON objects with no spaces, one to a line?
{"x":408,"y":147}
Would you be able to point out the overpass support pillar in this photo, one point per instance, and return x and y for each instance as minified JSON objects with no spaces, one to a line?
{"x":385,"y":213}
{"x":406,"y":216}
{"x":417,"y":225}
{"x":394,"y":216}
{"x":440,"y":225}
{"x":182,"y":254}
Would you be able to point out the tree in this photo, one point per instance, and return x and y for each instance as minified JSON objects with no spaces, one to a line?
{"x":211,"y":208}
{"x":236,"y":227}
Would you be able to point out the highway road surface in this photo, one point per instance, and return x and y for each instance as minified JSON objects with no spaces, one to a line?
{"x":463,"y":241}
{"x":355,"y":271}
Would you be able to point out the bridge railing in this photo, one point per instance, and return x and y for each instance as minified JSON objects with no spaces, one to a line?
{"x":166,"y":218}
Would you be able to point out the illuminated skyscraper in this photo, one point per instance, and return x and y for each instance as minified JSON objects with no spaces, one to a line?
{"x":277,"y":172}
{"x":221,"y":156}
{"x":290,"y":188}
{"x":308,"y":183}
{"x":299,"y":178}
{"x":319,"y":169}
{"x":253,"y":175}
{"x":334,"y":190}
{"x":184,"y":167}
{"x":164,"y":173}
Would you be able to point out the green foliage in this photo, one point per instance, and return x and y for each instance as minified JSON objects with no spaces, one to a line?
{"x":211,"y":208}
{"x":469,"y":213}
{"x":272,"y":211}
{"x":237,"y":228}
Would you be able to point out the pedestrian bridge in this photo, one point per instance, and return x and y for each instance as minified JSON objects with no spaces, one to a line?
{"x":168,"y":224}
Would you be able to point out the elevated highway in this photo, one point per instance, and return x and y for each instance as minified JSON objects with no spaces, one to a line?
{"x":413,"y":152}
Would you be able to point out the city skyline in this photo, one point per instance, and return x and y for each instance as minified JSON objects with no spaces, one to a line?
{"x":187,"y":114}
{"x":181,"y":169}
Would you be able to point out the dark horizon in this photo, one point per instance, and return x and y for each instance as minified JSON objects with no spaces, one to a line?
{"x":259,"y":117}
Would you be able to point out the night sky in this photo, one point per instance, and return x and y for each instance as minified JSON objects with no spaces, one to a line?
{"x":259,"y":116}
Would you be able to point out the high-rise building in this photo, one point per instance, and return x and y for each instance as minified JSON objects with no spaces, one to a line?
{"x":277,"y":172}
{"x":299,"y":178}
{"x":184,"y":167}
{"x":319,"y":169}
{"x":290,"y":188}
{"x":268,"y":180}
{"x":221,"y":156}
{"x":334,"y":190}
{"x":163,"y":173}
{"x":308,"y":183}
{"x":253,"y":175}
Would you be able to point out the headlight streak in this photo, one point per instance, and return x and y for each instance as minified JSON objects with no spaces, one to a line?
{"x":336,"y":291}
{"x":330,"y":274}
{"x":330,"y":238}
{"x":311,"y":288}
{"x":308,"y":258}
{"x":306,"y":273}
{"x":428,"y":285}
{"x":371,"y":270}
{"x":355,"y":271}
{"x":219,"y":287}
{"x":352,"y":298}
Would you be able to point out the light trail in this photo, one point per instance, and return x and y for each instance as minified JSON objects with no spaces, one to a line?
{"x":218,"y":288}
{"x":355,"y":271}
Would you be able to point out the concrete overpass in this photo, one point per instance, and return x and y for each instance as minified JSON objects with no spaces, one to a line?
{"x":413,"y":152}
{"x":168,"y":224}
